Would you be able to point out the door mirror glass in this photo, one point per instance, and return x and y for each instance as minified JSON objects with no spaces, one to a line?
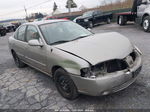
{"x":35,"y":42}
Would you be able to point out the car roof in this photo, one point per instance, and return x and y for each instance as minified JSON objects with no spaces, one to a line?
{"x":44,"y":22}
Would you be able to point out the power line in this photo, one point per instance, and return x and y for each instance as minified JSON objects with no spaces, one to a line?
{"x":21,"y":10}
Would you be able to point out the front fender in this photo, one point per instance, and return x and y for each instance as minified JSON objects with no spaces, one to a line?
{"x":70,"y":67}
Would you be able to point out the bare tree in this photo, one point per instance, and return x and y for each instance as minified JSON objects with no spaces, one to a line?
{"x":70,"y":4}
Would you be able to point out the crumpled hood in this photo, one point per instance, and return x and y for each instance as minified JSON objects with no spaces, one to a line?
{"x":99,"y":47}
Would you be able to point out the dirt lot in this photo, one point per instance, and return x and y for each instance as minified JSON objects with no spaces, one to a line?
{"x":28,"y":88}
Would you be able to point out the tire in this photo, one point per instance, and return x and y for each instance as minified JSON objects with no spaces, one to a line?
{"x":18,"y":62}
{"x":90,"y":24}
{"x":108,"y":20}
{"x":65,"y":84}
{"x":4,"y":33}
{"x":146,"y":24}
{"x":122,"y":20}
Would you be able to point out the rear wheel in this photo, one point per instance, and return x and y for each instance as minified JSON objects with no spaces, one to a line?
{"x":122,"y":20}
{"x":65,"y":85}
{"x":146,"y":24}
{"x":18,"y":62}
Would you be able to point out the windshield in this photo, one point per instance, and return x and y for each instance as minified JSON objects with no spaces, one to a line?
{"x":63,"y":32}
{"x":87,"y":14}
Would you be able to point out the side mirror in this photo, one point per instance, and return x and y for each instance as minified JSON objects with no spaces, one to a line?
{"x":35,"y":42}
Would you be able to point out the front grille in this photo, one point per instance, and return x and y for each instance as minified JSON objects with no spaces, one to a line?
{"x":111,"y":66}
{"x":116,"y":64}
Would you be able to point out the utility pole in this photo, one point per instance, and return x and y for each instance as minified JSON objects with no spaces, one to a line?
{"x":69,"y":6}
{"x":26,"y":12}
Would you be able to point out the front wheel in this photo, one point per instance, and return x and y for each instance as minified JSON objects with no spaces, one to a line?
{"x":65,"y":85}
{"x":108,"y":20}
{"x":146,"y":24}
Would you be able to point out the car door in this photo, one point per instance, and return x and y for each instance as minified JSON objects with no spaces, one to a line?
{"x":35,"y":55}
{"x":100,"y":16}
{"x":19,"y":42}
{"x":141,"y":8}
{"x":96,"y":17}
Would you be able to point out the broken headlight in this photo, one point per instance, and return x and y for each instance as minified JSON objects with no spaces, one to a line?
{"x":86,"y":72}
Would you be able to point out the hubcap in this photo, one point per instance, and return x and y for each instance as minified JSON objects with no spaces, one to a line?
{"x":146,"y":24}
{"x":64,"y":84}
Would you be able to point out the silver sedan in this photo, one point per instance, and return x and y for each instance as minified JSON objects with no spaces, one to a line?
{"x":78,"y":60}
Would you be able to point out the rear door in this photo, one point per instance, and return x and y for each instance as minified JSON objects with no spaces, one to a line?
{"x":35,"y":55}
{"x":19,"y":42}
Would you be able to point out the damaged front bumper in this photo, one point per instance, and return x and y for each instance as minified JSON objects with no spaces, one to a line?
{"x":110,"y":83}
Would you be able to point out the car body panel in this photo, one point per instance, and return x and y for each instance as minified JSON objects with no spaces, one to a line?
{"x":93,"y":48}
{"x":110,"y":83}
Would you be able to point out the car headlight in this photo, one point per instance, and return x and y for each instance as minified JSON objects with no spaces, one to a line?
{"x":138,"y":50}
{"x":86,"y":20}
{"x":86,"y":72}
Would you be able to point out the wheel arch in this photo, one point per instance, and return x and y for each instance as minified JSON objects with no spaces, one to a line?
{"x":54,"y":68}
{"x":12,"y":51}
{"x":146,"y":14}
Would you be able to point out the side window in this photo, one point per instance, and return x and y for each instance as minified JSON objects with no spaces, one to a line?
{"x":21,"y":33}
{"x":99,"y":12}
{"x":95,"y":13}
{"x":32,"y":33}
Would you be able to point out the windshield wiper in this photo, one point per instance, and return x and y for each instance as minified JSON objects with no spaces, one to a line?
{"x":80,"y":37}
{"x":60,"y":42}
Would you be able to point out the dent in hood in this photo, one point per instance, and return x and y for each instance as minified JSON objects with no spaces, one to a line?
{"x":99,"y":47}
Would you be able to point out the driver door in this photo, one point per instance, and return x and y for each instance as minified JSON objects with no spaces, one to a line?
{"x":35,"y":55}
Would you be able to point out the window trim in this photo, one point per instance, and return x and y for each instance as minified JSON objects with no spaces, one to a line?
{"x":27,"y":29}
{"x":24,"y":33}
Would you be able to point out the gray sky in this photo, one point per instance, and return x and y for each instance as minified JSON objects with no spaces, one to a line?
{"x":8,"y":8}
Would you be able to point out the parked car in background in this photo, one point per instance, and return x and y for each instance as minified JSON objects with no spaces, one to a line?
{"x":78,"y":60}
{"x":53,"y":17}
{"x":10,"y":27}
{"x":17,"y":24}
{"x":90,"y":18}
{"x":2,"y":30}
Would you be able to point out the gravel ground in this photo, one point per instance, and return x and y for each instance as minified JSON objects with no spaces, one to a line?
{"x":28,"y":88}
